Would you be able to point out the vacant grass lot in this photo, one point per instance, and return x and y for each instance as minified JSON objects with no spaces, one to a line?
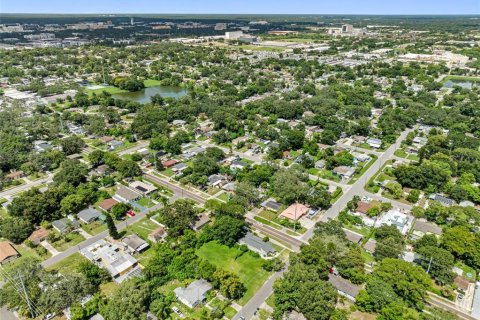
{"x":142,"y":228}
{"x":68,"y":265}
{"x":69,"y":240}
{"x":246,"y":266}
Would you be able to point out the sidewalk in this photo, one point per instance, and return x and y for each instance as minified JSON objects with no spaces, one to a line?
{"x":49,"y":247}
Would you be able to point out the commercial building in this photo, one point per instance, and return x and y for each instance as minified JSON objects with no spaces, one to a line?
{"x":233,"y":35}
{"x":109,"y":256}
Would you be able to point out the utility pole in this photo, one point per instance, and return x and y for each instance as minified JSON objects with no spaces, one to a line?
{"x":27,"y":299}
{"x":429,"y":264}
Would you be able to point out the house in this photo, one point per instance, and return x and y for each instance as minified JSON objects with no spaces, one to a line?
{"x":7,"y":252}
{"x":447,"y":202}
{"x":396,"y":218}
{"x":88,"y":215}
{"x":38,"y":236}
{"x":238,"y":165}
{"x":107,"y":204}
{"x":160,"y":154}
{"x":370,"y":245}
{"x":295,"y":315}
{"x":115,"y":144}
{"x":179,"y":167}
{"x":126,"y":195}
{"x":344,"y":287}
{"x":257,"y":245}
{"x":135,"y":243}
{"x":201,"y":220}
{"x":271,"y":205}
{"x":42,"y":146}
{"x":421,"y":141}
{"x":143,"y":188}
{"x":118,"y":263}
{"x":359,"y":139}
{"x":353,"y":236}
{"x":169,"y":163}
{"x":295,"y":211}
{"x":229,"y":187}
{"x":216,"y":180}
{"x":102,"y":170}
{"x":179,"y":123}
{"x":344,"y":171}
{"x":65,"y":225}
{"x":423,"y":227}
{"x":15,"y":175}
{"x":360,"y":157}
{"x":320,"y":164}
{"x":194,"y":294}
{"x":157,"y":235}
{"x":374,"y":143}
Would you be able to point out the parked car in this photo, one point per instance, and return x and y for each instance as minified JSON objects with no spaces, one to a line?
{"x":131,"y":213}
{"x":177,"y":311}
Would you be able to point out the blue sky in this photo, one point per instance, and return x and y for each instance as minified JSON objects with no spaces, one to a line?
{"x":244,"y":6}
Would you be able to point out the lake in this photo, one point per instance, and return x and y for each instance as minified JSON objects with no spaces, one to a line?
{"x":143,"y":96}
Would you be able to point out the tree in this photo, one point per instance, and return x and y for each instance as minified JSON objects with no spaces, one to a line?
{"x":290,"y":185}
{"x":178,"y":216}
{"x":458,"y":240}
{"x":388,"y":248}
{"x":93,"y":273}
{"x":96,"y":157}
{"x":71,"y":171}
{"x":245,"y":192}
{"x":160,"y":306}
{"x":15,"y":229}
{"x":395,"y":189}
{"x":377,"y":295}
{"x":438,"y":261}
{"x":408,"y":281}
{"x":129,"y":301}
{"x":319,"y":198}
{"x":112,"y":229}
{"x":61,"y":291}
{"x":72,"y":144}
{"x":227,"y":230}
{"x":119,"y":210}
{"x":302,"y":289}
{"x":129,"y":169}
{"x":230,"y":285}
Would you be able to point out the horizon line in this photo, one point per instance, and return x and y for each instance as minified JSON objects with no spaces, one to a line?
{"x":245,"y":13}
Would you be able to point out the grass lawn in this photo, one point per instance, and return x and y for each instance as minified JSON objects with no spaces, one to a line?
{"x":151,"y":83}
{"x":3,"y":213}
{"x":71,"y":239}
{"x":108,"y":288}
{"x":31,"y":252}
{"x":271,"y":301}
{"x":69,"y":264}
{"x":358,"y":174}
{"x":273,"y":218}
{"x":223,"y":197}
{"x":109,"y":89}
{"x":145,"y":202}
{"x":267,"y":222}
{"x":468,"y":272}
{"x":229,"y":312}
{"x":95,"y":227}
{"x":168,"y":172}
{"x":246,"y":266}
{"x":262,"y":48}
{"x":461,"y":78}
{"x":142,"y":228}
{"x":400,"y":153}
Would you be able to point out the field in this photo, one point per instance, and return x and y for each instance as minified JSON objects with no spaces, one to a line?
{"x":68,"y":265}
{"x":151,"y":83}
{"x":246,"y":266}
{"x":109,"y":89}
{"x":262,"y":48}
{"x":142,"y":228}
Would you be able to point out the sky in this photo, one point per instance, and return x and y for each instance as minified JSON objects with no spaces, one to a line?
{"x":244,"y":6}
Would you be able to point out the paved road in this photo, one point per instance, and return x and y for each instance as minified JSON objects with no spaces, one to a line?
{"x":6,"y":314}
{"x":357,"y":187}
{"x":444,"y":304}
{"x":138,"y":146}
{"x":178,"y":190}
{"x":23,"y":187}
{"x":293,"y":242}
{"x":249,"y":309}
